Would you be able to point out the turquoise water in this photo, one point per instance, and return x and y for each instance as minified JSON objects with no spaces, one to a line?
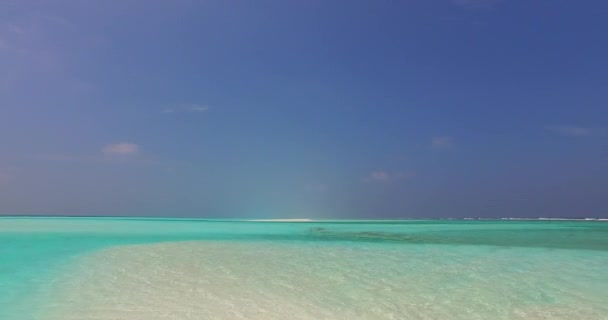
{"x":111,"y":268}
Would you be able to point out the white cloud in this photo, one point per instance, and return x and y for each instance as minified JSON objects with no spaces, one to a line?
{"x":379,"y":176}
{"x":124,"y":152}
{"x":123,"y":149}
{"x":198,"y":108}
{"x":384,"y":176}
{"x":573,"y":131}
{"x":442,"y":142}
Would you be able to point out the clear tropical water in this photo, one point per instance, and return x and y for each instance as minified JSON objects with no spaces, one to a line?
{"x":101,"y":268}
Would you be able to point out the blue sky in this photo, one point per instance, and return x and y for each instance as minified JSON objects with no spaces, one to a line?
{"x":324,"y":109}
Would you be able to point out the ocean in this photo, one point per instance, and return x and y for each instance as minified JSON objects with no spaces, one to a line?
{"x":132,"y":268}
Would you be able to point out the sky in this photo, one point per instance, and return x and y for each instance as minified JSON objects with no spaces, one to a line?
{"x":294,"y":109}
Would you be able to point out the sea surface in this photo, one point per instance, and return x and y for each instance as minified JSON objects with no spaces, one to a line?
{"x":132,"y":269}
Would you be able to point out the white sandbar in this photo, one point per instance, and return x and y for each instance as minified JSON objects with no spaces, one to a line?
{"x":235,"y":280}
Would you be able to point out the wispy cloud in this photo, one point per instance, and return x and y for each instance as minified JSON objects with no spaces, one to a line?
{"x":198,"y":108}
{"x":442,"y":142}
{"x":121,"y":149}
{"x":116,"y":152}
{"x":574,"y":131}
{"x":385,"y":176}
{"x":187,"y":108}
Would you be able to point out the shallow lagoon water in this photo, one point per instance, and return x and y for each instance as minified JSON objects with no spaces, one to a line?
{"x":105,"y":268}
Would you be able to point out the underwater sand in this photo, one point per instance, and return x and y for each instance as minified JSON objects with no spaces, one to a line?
{"x":191,"y":269}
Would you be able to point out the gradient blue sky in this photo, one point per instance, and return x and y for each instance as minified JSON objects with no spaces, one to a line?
{"x":324,"y":109}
